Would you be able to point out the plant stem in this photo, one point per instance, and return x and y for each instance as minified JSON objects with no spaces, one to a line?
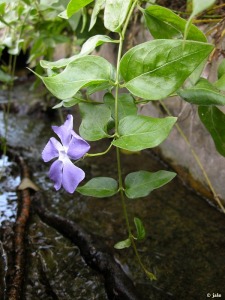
{"x":100,"y":153}
{"x":121,"y":189}
{"x":119,"y":169}
{"x":117,"y":83}
{"x":118,"y":63}
{"x":149,"y":274}
{"x":117,"y":133}
{"x":116,"y":115}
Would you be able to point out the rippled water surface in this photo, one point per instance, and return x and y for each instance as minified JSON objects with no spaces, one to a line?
{"x":8,"y":196}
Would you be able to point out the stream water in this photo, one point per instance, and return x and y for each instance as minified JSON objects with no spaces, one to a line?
{"x":185,"y":244}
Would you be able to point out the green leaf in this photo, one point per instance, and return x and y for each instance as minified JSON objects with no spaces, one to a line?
{"x":221,"y":68}
{"x":150,"y":275}
{"x":195,"y":76}
{"x":100,"y":187}
{"x":126,"y":105}
{"x":123,"y":244}
{"x":99,"y":4}
{"x":2,"y":8}
{"x":197,"y":7}
{"x":27,"y":2}
{"x":139,"y":228}
{"x":60,"y":104}
{"x":220,"y":83}
{"x":16,"y":48}
{"x":83,"y":72}
{"x":95,"y":118}
{"x":214,"y":120}
{"x":141,"y":132}
{"x":115,"y":13}
{"x":94,"y":42}
{"x":98,"y":87}
{"x":75,"y":20}
{"x":73,"y":6}
{"x":200,"y":6}
{"x":150,"y":70}
{"x":84,"y":19}
{"x":165,"y":24}
{"x":86,"y":49}
{"x":68,"y":102}
{"x":140,"y":184}
{"x":5,"y":77}
{"x":203,"y":93}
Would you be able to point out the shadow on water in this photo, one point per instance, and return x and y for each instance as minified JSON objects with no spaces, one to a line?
{"x":185,"y":244}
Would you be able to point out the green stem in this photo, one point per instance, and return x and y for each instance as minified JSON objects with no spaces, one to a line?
{"x":121,"y":189}
{"x":4,"y":22}
{"x":118,"y":63}
{"x":116,"y":115}
{"x":100,"y":153}
{"x":195,"y":155}
{"x":128,"y":17}
{"x":117,"y":83}
{"x":149,"y":274}
{"x":119,"y":169}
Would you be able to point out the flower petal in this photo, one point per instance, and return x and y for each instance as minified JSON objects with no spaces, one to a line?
{"x":51,"y":150}
{"x":77,"y":147}
{"x":72,"y":176}
{"x":64,"y":131}
{"x":55,"y":173}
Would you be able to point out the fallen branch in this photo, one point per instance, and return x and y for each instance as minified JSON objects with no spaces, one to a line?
{"x":118,"y":285}
{"x":16,"y":280}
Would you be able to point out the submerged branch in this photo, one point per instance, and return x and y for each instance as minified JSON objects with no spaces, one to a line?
{"x":16,"y":280}
{"x":117,"y":284}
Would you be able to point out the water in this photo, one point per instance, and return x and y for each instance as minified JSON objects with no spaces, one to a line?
{"x":185,"y":235}
{"x":57,"y":271}
{"x":8,"y":197}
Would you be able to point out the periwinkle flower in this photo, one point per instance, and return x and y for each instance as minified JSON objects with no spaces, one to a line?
{"x":62,"y":171}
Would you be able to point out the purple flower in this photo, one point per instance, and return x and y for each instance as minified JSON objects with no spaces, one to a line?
{"x":62,"y":171}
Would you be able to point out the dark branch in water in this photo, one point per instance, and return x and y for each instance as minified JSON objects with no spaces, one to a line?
{"x":118,"y":285}
{"x":16,"y":280}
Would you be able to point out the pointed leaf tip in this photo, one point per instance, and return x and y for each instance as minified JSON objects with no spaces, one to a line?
{"x":123,"y":244}
{"x":100,"y":187}
{"x":141,"y":233}
{"x":142,"y":132}
{"x":141,"y":183}
{"x":153,"y":75}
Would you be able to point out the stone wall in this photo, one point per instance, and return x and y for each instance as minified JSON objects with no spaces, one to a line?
{"x":178,"y":153}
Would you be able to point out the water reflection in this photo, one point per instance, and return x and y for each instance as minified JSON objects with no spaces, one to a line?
{"x":8,"y":185}
{"x":8,"y":206}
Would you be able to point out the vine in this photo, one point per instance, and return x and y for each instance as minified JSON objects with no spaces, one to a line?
{"x":149,"y":72}
{"x":171,"y":63}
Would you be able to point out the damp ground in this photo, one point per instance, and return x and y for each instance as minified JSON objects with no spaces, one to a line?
{"x":185,"y":243}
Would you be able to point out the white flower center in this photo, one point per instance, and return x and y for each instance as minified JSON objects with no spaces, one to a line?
{"x":63,"y":154}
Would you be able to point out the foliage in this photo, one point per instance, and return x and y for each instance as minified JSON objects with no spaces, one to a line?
{"x":212,"y":117}
{"x":33,"y":27}
{"x":149,"y":71}
{"x":170,"y":64}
